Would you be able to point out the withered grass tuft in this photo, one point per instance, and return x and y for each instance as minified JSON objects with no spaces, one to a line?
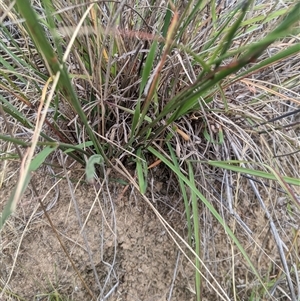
{"x":207,"y":89}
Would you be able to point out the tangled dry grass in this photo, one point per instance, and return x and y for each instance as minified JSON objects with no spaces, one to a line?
{"x":127,"y":245}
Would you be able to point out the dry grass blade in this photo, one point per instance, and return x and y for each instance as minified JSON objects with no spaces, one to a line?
{"x":170,"y":128}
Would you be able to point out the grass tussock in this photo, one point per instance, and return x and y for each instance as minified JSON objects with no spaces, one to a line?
{"x":204,"y":91}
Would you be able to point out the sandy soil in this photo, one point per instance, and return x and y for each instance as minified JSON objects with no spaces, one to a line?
{"x":124,"y":252}
{"x":134,"y":259}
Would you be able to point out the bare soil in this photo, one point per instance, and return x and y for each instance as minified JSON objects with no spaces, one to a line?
{"x":136,"y":261}
{"x":123,"y":251}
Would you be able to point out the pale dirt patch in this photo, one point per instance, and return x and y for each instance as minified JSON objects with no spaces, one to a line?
{"x":139,"y":262}
{"x":143,"y":259}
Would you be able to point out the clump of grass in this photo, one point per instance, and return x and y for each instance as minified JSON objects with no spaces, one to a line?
{"x":198,"y":88}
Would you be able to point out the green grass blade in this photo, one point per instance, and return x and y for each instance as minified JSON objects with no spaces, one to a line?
{"x":12,"y":111}
{"x":210,"y":208}
{"x":196,"y":8}
{"x":292,"y":50}
{"x":196,"y":232}
{"x":66,"y":148}
{"x":228,"y":39}
{"x":148,"y":66}
{"x":50,"y":23}
{"x":217,"y":34}
{"x":142,"y":171}
{"x":136,"y":119}
{"x":285,"y":186}
{"x":54,"y":65}
{"x":167,"y":22}
{"x":187,"y":100}
{"x":233,"y":166}
{"x":184,"y":194}
{"x":11,"y":204}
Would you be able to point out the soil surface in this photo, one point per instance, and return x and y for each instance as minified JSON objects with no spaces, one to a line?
{"x":132,"y":254}
{"x":122,"y":251}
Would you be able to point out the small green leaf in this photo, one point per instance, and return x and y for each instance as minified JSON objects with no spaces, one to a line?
{"x":136,"y":118}
{"x":90,"y":167}
{"x":142,"y":171}
{"x":221,"y":136}
{"x":207,"y":136}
